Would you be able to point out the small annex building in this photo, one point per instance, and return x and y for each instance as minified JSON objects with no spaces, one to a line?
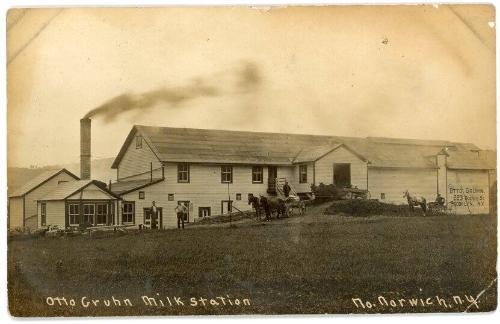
{"x":77,"y":203}
{"x":22,"y":208}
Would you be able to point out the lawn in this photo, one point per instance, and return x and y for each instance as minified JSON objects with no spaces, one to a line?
{"x":280,"y":267}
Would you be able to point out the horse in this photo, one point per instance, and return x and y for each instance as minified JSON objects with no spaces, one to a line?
{"x":294,"y":202}
{"x":277,"y":205}
{"x":415,"y":201}
{"x":254,"y":201}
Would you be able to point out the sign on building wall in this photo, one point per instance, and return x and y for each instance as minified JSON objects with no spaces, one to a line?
{"x":468,"y":199}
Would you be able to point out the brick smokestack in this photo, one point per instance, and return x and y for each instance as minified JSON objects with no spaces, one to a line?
{"x":85,"y":127}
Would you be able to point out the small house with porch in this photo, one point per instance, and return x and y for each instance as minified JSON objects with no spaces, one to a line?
{"x":78,"y":203}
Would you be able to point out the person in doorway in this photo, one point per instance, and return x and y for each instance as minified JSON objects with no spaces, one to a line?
{"x":181,"y":211}
{"x":154,"y":215}
{"x":286,"y":189}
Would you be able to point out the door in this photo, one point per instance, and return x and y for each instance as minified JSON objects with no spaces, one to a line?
{"x":187,"y":204}
{"x":226,"y":206}
{"x":152,"y":221}
{"x":342,"y":175}
{"x":272,"y":174}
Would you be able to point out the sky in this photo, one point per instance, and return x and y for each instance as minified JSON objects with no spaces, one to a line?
{"x":406,"y":71}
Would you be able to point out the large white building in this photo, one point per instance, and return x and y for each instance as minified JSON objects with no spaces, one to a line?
{"x":214,"y":171}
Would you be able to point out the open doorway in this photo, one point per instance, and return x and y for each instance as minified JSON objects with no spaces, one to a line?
{"x":342,"y":175}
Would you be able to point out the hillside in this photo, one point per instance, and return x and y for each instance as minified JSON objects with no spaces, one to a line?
{"x":101,"y":170}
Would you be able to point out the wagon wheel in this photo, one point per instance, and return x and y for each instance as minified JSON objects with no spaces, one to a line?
{"x":349,"y":195}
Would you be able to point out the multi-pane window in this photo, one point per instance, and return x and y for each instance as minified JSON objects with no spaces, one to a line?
{"x":43,"y":214}
{"x":257,"y":174}
{"x":74,"y":214}
{"x":204,"y":211}
{"x":142,"y":195}
{"x":226,"y":173}
{"x":138,"y":142}
{"x":102,"y":214}
{"x":182,"y":172}
{"x":238,"y":196}
{"x":128,"y":213}
{"x":303,"y":173}
{"x":88,"y":214}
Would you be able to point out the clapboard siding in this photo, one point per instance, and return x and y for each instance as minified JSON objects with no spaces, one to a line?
{"x":303,"y":187}
{"x":136,"y":161}
{"x":157,"y":174}
{"x":39,"y":193}
{"x":324,"y":167}
{"x":204,"y":190}
{"x":471,"y":186}
{"x":15,"y":212}
{"x":56,"y":213}
{"x":394,"y":182}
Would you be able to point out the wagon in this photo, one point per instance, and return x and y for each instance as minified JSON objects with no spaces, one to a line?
{"x":355,"y":193}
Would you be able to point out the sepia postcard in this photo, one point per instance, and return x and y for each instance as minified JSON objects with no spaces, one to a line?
{"x":251,"y":160}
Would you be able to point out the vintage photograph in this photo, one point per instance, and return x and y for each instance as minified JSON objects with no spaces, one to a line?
{"x":251,"y":160}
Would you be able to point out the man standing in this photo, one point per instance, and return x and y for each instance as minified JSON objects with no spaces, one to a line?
{"x":181,"y":211}
{"x":286,"y":189}
{"x":154,"y":215}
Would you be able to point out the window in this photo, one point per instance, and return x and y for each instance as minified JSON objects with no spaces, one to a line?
{"x":342,"y":175}
{"x":382,"y":195}
{"x":128,"y":213}
{"x":303,"y":173}
{"x":88,"y":214}
{"x":74,"y":214}
{"x":170,"y":197}
{"x":238,"y":196}
{"x":138,"y":142}
{"x":226,"y":173}
{"x":257,"y":176}
{"x":182,"y":172}
{"x":142,"y":195}
{"x":102,"y":214}
{"x":43,"y":214}
{"x":203,"y":212}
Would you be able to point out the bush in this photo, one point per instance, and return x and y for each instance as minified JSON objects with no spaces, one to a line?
{"x":323,"y":193}
{"x":363,"y":208}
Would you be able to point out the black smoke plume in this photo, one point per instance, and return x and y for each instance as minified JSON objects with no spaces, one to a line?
{"x":244,"y":79}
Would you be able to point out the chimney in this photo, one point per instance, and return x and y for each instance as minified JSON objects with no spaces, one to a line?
{"x":85,"y":126}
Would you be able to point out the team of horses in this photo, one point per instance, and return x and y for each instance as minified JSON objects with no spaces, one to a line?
{"x":276,"y":206}
{"x":284,"y":207}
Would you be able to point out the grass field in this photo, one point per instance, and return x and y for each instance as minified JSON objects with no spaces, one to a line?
{"x":286,"y":266}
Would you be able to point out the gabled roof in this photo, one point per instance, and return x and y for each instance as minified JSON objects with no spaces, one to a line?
{"x":236,"y":147}
{"x":67,"y":189}
{"x":472,"y":160}
{"x":124,"y":187}
{"x":40,"y":180}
